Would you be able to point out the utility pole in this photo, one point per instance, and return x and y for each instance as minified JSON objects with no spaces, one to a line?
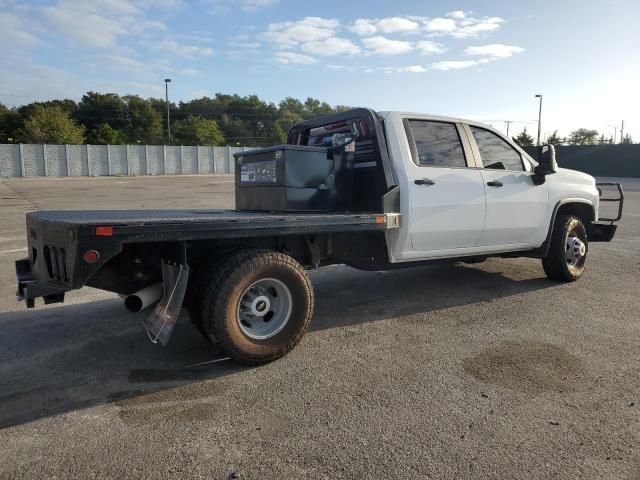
{"x":622,"y":132}
{"x":508,"y":122}
{"x":539,"y":118}
{"x":166,"y":93}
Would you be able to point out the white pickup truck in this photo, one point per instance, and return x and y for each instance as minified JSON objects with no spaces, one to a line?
{"x":371,"y":190}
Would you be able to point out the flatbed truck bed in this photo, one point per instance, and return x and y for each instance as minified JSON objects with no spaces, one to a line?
{"x":67,"y":248}
{"x":164,"y":225}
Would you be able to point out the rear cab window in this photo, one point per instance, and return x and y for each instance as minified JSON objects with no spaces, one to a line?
{"x":495,"y":153}
{"x":435,"y":144}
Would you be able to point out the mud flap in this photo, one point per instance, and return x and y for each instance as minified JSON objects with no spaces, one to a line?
{"x":160,"y":323}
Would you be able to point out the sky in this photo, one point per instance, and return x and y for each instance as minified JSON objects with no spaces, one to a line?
{"x":481,"y":60}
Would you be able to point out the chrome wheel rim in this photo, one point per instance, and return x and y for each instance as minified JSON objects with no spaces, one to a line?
{"x":575,"y":250}
{"x":264,"y":309}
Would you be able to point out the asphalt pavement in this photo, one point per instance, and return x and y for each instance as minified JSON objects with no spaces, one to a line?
{"x":447,"y":371}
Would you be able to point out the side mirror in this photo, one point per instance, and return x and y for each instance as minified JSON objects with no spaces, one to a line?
{"x":547,"y":163}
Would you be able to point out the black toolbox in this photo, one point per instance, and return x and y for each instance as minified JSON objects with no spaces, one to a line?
{"x":294,"y":178}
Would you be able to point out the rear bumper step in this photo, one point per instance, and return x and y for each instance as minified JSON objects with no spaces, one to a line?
{"x":29,"y":288}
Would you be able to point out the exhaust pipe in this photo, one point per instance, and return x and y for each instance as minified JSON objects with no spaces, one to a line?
{"x":144,"y":298}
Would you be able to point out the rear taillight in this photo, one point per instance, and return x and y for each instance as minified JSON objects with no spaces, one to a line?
{"x":104,"y":231}
{"x":91,"y":256}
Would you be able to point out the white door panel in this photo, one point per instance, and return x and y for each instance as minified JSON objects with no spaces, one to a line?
{"x":516,"y":210}
{"x":450,"y":212}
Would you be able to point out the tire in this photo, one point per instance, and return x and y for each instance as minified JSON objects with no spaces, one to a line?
{"x":201,"y":278}
{"x":565,"y":260}
{"x":248,"y":291}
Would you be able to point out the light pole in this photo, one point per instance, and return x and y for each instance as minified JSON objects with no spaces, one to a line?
{"x":539,"y":118}
{"x":166,"y":94}
{"x":615,"y":132}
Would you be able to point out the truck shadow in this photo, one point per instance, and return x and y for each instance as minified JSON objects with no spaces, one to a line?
{"x":61,"y":359}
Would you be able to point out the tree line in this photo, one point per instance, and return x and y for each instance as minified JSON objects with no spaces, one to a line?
{"x":581,"y":136}
{"x":109,"y":118}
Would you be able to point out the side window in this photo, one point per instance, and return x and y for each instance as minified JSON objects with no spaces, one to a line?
{"x":495,"y":152}
{"x":437,"y":144}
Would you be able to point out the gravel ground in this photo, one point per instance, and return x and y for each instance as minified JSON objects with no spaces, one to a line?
{"x":448,"y":371}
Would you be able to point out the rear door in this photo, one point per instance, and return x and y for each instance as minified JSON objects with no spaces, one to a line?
{"x":447,"y":199}
{"x":516,"y":209}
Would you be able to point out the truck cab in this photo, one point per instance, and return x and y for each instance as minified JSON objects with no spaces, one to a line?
{"x":466,"y":189}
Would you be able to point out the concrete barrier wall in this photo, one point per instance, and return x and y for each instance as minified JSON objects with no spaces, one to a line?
{"x":598,"y":160}
{"x":101,"y":160}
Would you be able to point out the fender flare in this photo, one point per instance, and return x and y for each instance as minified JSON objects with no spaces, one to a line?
{"x":543,"y":249}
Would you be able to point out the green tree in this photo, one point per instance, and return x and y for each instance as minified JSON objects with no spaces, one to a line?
{"x":111,"y":118}
{"x":279,"y":134}
{"x":10,"y":124}
{"x":68,"y":106}
{"x":524,"y":139}
{"x":103,"y":134}
{"x":195,"y":130}
{"x":627,"y":139}
{"x":583,"y":136}
{"x":554,"y":138}
{"x":143,"y":122}
{"x":316,"y":108}
{"x":51,"y":124}
{"x":94,"y":109}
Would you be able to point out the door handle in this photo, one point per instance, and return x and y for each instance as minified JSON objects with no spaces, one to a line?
{"x":424,"y":181}
{"x":494,"y":183}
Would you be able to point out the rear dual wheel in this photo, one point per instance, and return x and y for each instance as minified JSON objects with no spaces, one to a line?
{"x":256,"y":305}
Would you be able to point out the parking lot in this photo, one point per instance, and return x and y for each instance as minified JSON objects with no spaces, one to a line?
{"x":447,"y":371}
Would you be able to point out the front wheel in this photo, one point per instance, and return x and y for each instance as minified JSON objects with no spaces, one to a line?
{"x":257,"y":305}
{"x":567,"y":251}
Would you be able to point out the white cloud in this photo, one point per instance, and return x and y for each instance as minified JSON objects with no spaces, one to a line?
{"x":309,"y":29}
{"x":457,"y":14}
{"x":363,"y":27}
{"x":133,"y":67}
{"x":453,"y":64}
{"x":427,"y":47}
{"x":225,"y":6}
{"x":473,"y":27}
{"x":397,"y":24}
{"x":15,"y":31}
{"x":95,"y":24}
{"x":388,"y":70}
{"x":144,"y":89}
{"x":176,"y":48}
{"x":331,"y":47}
{"x":167,"y":4}
{"x":344,"y":68}
{"x":243,"y":41}
{"x":380,"y":45}
{"x":440,"y":25}
{"x":412,"y":69}
{"x":457,"y":24}
{"x":27,"y":82}
{"x":294,"y":58}
{"x":368,"y":26}
{"x":496,"y":50}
